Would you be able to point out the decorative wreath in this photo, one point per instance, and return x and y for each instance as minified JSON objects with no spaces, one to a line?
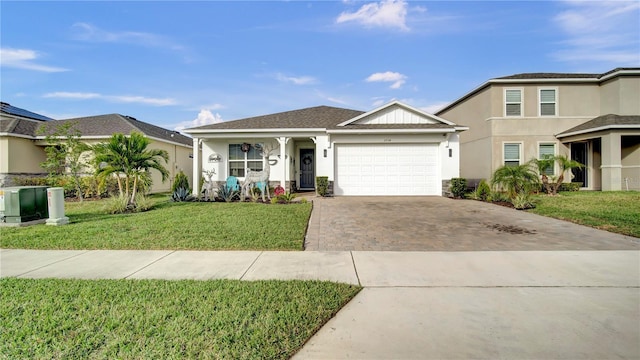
{"x":307,"y":160}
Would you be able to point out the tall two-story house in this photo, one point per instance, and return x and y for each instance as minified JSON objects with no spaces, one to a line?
{"x":592,"y":118}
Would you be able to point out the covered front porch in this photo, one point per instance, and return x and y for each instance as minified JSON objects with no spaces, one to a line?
{"x":609,"y":147}
{"x":291,"y":161}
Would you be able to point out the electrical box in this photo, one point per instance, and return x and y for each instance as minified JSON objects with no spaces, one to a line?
{"x":23,"y":203}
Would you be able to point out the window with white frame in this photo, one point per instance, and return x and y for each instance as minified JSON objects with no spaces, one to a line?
{"x":512,"y":154}
{"x":242,"y":161}
{"x":547,"y":150}
{"x":513,"y":102}
{"x":548,"y":103}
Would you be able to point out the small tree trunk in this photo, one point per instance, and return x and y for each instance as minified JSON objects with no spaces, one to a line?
{"x":133,"y":191}
{"x":119,"y":184}
{"x":557,"y":184}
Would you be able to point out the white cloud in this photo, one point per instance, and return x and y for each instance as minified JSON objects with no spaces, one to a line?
{"x":600,"y":31}
{"x":387,"y":13}
{"x":300,"y":80}
{"x":205,"y":117}
{"x":72,"y":95}
{"x":393,"y":77}
{"x":433,"y":108}
{"x":91,"y":33}
{"x":113,"y":98}
{"x":23,"y":59}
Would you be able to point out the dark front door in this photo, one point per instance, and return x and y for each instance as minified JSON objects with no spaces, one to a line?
{"x":307,"y":166}
{"x":579,"y":153}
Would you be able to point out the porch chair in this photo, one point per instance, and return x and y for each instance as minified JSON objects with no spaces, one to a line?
{"x":232,"y":183}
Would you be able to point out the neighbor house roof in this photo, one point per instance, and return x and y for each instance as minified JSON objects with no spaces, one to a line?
{"x":107,"y":125}
{"x":604,"y":122}
{"x":308,"y":118}
{"x":9,"y":109}
{"x":100,"y":126}
{"x":547,"y":78}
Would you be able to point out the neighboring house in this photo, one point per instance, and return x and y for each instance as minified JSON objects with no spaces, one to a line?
{"x":592,"y":118}
{"x":392,"y":150}
{"x":22,"y":143}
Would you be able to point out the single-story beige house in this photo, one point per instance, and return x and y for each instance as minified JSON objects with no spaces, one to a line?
{"x":395,"y":149}
{"x":22,"y":145}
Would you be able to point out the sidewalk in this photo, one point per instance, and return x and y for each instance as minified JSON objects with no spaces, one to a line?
{"x":428,"y":305}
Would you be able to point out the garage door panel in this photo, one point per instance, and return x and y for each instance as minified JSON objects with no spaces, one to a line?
{"x":386,"y":169}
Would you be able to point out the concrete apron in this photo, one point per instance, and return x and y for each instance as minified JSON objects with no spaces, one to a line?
{"x":518,"y":304}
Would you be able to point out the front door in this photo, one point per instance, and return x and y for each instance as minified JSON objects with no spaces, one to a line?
{"x":579,"y":152}
{"x":307,"y":166}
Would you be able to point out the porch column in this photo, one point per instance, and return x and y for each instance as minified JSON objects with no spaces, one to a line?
{"x":282,"y":141}
{"x":197,"y":167}
{"x":611,"y":162}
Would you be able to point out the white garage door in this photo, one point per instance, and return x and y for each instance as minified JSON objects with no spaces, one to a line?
{"x":387,"y":169}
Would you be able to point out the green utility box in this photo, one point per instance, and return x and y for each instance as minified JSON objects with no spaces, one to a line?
{"x":23,"y":203}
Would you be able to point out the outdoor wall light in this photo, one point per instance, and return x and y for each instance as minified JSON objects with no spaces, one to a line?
{"x":325,"y":152}
{"x":450,"y":152}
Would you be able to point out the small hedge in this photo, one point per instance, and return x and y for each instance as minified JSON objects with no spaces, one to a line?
{"x":458,"y":187}
{"x":574,"y":186}
{"x":322,"y":185}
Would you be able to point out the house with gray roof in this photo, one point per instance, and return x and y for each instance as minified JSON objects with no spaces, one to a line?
{"x":591,"y":118}
{"x":22,"y":142}
{"x":395,"y":149}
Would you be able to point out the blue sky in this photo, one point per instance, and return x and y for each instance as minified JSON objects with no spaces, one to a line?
{"x":183,"y":64}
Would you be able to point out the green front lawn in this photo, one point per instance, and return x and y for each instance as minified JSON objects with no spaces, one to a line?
{"x":615,"y":211}
{"x":156,"y":319}
{"x":193,"y":226}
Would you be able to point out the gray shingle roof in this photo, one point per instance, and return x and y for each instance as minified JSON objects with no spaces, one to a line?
{"x":19,"y":126}
{"x":550,"y":76}
{"x":13,"y":110}
{"x":94,"y":126}
{"x":107,"y":125}
{"x":604,"y":121}
{"x":308,"y":118}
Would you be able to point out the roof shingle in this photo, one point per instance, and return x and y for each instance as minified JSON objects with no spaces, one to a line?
{"x":604,"y":121}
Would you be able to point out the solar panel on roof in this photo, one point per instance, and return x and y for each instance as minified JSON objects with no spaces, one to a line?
{"x":12,"y":110}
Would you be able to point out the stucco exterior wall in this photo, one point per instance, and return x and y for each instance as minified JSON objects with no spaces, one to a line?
{"x":23,"y":156}
{"x":620,"y":96}
{"x":476,"y":159}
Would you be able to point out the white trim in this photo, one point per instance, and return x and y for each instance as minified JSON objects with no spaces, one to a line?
{"x":17,"y":135}
{"x":520,"y":151}
{"x":253,"y":130}
{"x":396,"y":131}
{"x":396,"y":103}
{"x":504,"y":102}
{"x":556,"y":100}
{"x":583,"y":118}
{"x":601,"y":128}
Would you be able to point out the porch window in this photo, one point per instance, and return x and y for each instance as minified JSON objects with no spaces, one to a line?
{"x":548,"y":102}
{"x":545,"y":151}
{"x":240,"y":162}
{"x":513,"y":102}
{"x":512,"y":154}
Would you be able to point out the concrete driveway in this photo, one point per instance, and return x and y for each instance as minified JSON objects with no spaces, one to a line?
{"x":442,"y":224}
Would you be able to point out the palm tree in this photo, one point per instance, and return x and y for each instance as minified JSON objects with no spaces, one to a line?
{"x":128,"y":157}
{"x":552,"y":185}
{"x":518,"y":179}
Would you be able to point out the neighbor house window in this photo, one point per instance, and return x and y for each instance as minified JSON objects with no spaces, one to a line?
{"x":512,"y":154}
{"x":547,"y":151}
{"x":548,"y":102}
{"x":240,"y":161}
{"x":513,"y":102}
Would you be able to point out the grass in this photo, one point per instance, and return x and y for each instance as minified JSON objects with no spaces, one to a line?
{"x":616,"y":211}
{"x":179,"y":226}
{"x":132,"y":319}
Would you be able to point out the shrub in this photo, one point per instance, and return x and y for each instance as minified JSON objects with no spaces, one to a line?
{"x":117,"y":204}
{"x":458,"y":187}
{"x":274,"y":200}
{"x":322,"y":185}
{"x":484,"y":190}
{"x":227,"y":193}
{"x":303,"y":200}
{"x":287,"y":198}
{"x":180,"y":181}
{"x":143,"y":203}
{"x":181,"y":195}
{"x":574,"y":186}
{"x":523,"y":201}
